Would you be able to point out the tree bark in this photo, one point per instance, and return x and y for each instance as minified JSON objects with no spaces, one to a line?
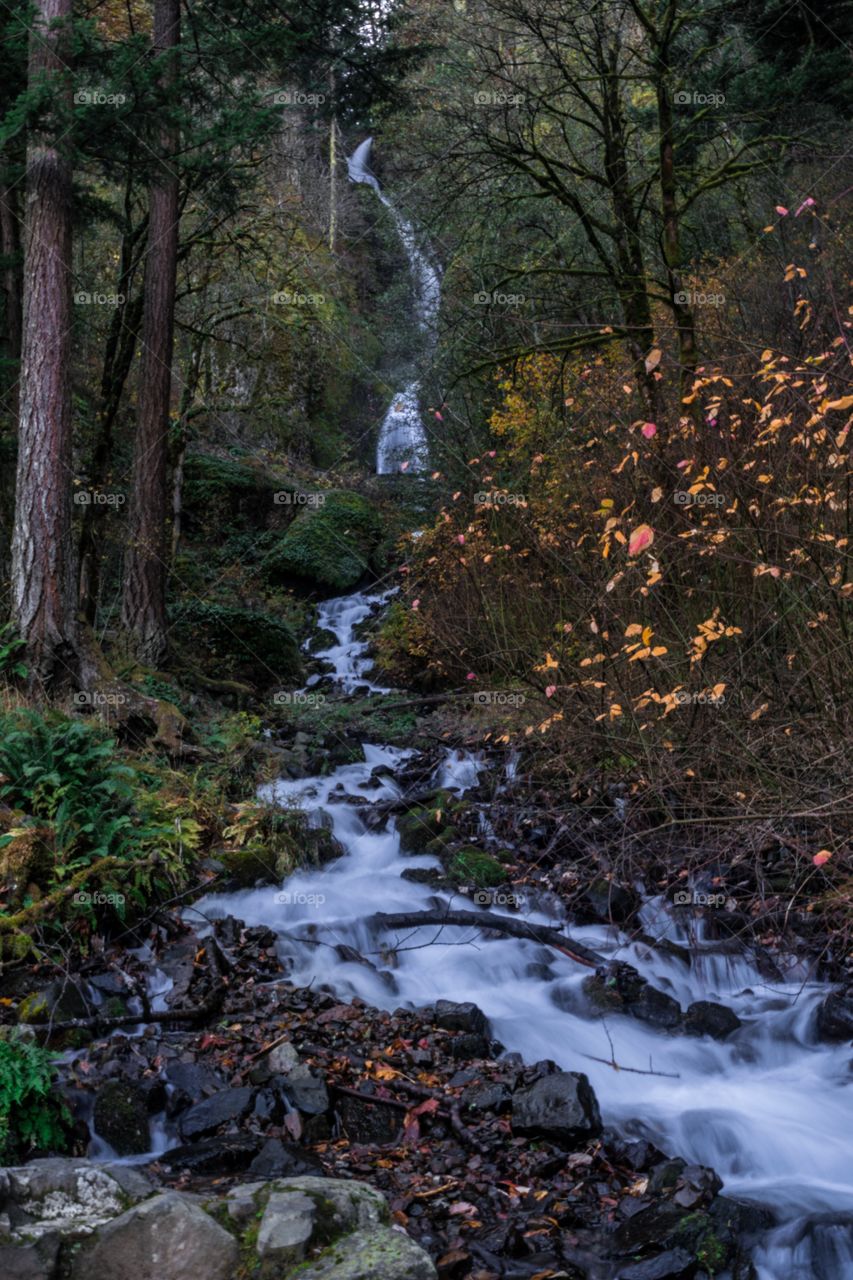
{"x":43,"y":579}
{"x":10,"y":247}
{"x":144,"y":598}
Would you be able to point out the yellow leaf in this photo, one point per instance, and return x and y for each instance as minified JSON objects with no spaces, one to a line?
{"x":653,"y":359}
{"x":846,"y":402}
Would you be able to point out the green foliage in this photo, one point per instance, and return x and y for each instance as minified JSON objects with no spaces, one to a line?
{"x":11,"y":645}
{"x":243,"y":644}
{"x":478,"y":867}
{"x":31,"y":1116}
{"x":235,"y":492}
{"x":332,"y":544}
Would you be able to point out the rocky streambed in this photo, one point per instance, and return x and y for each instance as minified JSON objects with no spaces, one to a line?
{"x":626,"y":1092}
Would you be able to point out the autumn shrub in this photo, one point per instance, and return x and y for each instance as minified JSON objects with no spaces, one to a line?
{"x":675,"y":595}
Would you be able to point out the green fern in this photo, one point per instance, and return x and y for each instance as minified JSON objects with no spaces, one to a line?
{"x":32,"y":1118}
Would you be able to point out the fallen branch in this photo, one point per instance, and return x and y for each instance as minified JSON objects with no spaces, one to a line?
{"x":499,"y":924}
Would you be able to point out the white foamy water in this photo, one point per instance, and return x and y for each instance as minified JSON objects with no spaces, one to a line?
{"x":769,"y":1109}
{"x":402,"y":444}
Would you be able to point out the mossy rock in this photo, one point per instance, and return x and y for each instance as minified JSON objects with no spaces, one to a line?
{"x":471,"y":865}
{"x":120,"y":1117}
{"x":238,"y":643}
{"x":284,"y":843}
{"x":602,"y":994}
{"x":420,"y":828}
{"x":26,"y":855}
{"x":234,"y":493}
{"x":331,"y":544}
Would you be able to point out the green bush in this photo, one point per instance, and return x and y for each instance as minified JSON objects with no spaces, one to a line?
{"x":331,"y":545}
{"x":244,"y":645}
{"x":231,"y":492}
{"x":31,"y":1116}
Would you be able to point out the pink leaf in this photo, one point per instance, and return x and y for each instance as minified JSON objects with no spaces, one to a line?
{"x":471,"y":676}
{"x":642,"y":537}
{"x":550,"y":691}
{"x":460,"y":538}
{"x":439,"y":416}
{"x":807,"y":204}
{"x":649,"y":430}
{"x":782,"y":211}
{"x":823,"y":856}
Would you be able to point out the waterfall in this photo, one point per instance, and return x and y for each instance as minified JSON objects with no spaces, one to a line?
{"x":403,"y":442}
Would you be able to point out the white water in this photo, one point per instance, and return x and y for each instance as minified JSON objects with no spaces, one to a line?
{"x":402,"y":442}
{"x":769,"y":1109}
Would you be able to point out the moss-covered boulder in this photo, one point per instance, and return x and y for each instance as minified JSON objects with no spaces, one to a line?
{"x":239,"y":643}
{"x":235,"y":493}
{"x":332,"y":543}
{"x":121,"y":1117}
{"x":474,"y":866}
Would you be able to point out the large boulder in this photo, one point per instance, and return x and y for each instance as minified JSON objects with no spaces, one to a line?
{"x":331,"y":543}
{"x":165,"y":1238}
{"x":383,"y":1254}
{"x":244,"y":645}
{"x":561,"y":1107}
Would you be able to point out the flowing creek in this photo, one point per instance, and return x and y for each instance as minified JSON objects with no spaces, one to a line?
{"x":769,"y":1109}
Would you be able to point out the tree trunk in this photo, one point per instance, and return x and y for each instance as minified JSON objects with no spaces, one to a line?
{"x":10,"y":247}
{"x":43,"y":579}
{"x":144,"y":601}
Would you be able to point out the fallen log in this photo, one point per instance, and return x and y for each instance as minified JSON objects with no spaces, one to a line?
{"x":384,"y":920}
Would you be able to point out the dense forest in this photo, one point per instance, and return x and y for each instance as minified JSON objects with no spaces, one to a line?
{"x":426,"y":502}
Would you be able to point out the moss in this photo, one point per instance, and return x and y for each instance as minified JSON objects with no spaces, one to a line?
{"x":476,"y":866}
{"x":242,"y":644}
{"x":331,"y":544}
{"x":232,"y":493}
{"x":602,"y":994}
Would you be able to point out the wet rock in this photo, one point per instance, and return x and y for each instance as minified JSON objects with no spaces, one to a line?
{"x":562,"y":1107}
{"x":371,"y":1124}
{"x":165,"y":1238}
{"x":465,"y":1047}
{"x":675,"y":1264}
{"x":650,"y":1223}
{"x":277,"y":1159}
{"x":706,"y":1018}
{"x":283,"y":1070}
{"x":465,"y":1016}
{"x":225,"y":1107}
{"x":121,"y":1117}
{"x":835,"y":1016}
{"x":487,"y":1097}
{"x":190,"y":1082}
{"x":60,"y":1001}
{"x":213,"y":1157}
{"x":606,"y":901}
{"x":383,"y":1254}
{"x":656,"y":1008}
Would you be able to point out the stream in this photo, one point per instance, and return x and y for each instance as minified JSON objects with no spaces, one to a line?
{"x":770,"y":1109}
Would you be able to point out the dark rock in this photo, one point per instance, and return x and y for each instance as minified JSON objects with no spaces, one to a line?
{"x":268,"y":1108}
{"x":561,"y":1106}
{"x":213,"y":1157}
{"x":651,"y":1223}
{"x":277,"y":1159}
{"x":306,"y":1091}
{"x":835,"y":1016}
{"x":487,"y":1097}
{"x":35,"y":1260}
{"x":466,"y":1016}
{"x":706,"y":1018}
{"x":608,"y":901}
{"x":675,"y":1264}
{"x":190,"y":1082}
{"x":121,"y":1117}
{"x":224,"y":1107}
{"x":367,"y":1123}
{"x":465,"y":1047}
{"x":656,"y":1008}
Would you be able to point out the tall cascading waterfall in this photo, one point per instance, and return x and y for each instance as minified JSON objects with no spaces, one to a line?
{"x":403,"y":442}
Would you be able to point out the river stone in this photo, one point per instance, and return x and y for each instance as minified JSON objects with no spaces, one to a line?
{"x":224,"y":1107}
{"x":60,"y":1196}
{"x":706,"y":1018}
{"x":466,"y":1016}
{"x":229,"y":1153}
{"x":835,"y":1016}
{"x":35,"y":1260}
{"x":656,"y":1008}
{"x":562,"y":1107}
{"x":675,"y":1264}
{"x":190,"y":1081}
{"x":165,"y":1238}
{"x":380,"y":1254}
{"x":285,"y":1231}
{"x":121,"y":1117}
{"x":278,"y":1159}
